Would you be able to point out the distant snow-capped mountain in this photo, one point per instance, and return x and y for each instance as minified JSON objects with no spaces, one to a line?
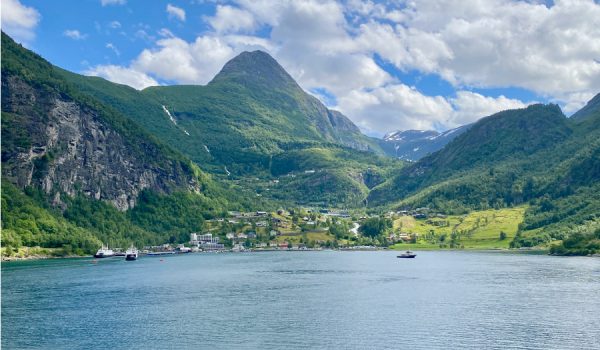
{"x":412,"y":145}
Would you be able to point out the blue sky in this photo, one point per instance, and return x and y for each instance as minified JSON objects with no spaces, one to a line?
{"x":386,"y":65}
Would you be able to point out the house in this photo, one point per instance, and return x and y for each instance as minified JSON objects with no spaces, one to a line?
{"x":403,"y":236}
{"x":261,"y":224}
{"x":283,"y":245}
{"x":309,"y":171}
{"x":261,"y":213}
{"x":273,"y":233}
{"x":230,"y":235}
{"x":261,"y":245}
{"x":242,"y":236}
{"x":251,"y":235}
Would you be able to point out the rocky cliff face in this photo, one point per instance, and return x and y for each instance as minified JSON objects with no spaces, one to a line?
{"x":64,"y":147}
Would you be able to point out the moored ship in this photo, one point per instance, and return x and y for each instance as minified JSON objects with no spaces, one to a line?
{"x":131,"y":254}
{"x":104,"y":252}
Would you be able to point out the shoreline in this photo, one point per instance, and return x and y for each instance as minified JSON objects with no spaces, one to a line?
{"x":35,"y":257}
{"x":39,"y":257}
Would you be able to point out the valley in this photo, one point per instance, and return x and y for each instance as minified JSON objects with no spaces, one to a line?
{"x":86,"y":161}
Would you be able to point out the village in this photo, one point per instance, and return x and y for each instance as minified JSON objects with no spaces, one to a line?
{"x":303,"y":229}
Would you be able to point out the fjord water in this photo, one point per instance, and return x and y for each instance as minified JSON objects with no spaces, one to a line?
{"x":298,"y":300}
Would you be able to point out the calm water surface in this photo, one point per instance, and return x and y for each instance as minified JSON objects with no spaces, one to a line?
{"x":298,"y":300}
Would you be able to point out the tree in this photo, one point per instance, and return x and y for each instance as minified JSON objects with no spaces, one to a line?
{"x":376,"y":226}
{"x":502,"y":235}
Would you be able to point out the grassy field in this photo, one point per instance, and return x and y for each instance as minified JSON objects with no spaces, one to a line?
{"x":476,"y":230}
{"x":311,"y":235}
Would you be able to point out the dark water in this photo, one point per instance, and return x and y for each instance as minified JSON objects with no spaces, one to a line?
{"x":298,"y":300}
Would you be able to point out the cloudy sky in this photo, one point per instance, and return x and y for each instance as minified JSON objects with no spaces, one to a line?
{"x":388,"y":65}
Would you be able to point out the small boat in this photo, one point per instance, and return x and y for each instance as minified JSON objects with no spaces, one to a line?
{"x":407,"y":255}
{"x":104,"y":252}
{"x":131,"y":254}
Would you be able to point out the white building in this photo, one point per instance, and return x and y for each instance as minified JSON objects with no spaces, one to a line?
{"x":205,"y":241}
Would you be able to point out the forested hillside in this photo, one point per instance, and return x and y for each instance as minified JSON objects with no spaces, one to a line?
{"x":76,"y":171}
{"x":533,"y":155}
{"x":246,"y":121}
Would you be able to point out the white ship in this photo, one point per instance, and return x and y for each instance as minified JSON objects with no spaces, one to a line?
{"x":104,"y":252}
{"x":132,"y":253}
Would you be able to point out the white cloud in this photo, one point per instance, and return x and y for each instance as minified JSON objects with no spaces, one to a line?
{"x":231,"y":19}
{"x":19,"y":21}
{"x":313,"y":44}
{"x":551,"y":50}
{"x":142,"y":34}
{"x":115,"y":24}
{"x":400,"y":107}
{"x":74,"y":34}
{"x":393,"y":107}
{"x":469,"y":107}
{"x":113,"y":48}
{"x":575,"y":101}
{"x":122,"y":75}
{"x":176,"y":12}
{"x":190,"y":63}
{"x":113,"y":2}
{"x":166,"y":33}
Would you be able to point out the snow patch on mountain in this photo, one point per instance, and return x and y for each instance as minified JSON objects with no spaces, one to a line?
{"x":415,"y":144}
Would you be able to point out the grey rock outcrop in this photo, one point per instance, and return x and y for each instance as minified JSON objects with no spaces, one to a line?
{"x":62,"y":146}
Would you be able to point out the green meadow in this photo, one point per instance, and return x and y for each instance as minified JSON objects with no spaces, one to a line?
{"x":487,"y":229}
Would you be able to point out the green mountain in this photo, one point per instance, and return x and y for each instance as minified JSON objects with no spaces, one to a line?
{"x":247,"y":122}
{"x":506,"y":137}
{"x":532,"y":156}
{"x":85,"y":160}
{"x":70,"y":162}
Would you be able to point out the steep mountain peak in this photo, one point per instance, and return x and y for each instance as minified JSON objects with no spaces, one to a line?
{"x":254,"y":68}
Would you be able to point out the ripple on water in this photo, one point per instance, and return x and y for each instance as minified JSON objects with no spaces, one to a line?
{"x":320,"y":300}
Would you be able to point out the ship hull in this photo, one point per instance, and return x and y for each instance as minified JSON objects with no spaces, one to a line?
{"x":100,"y":256}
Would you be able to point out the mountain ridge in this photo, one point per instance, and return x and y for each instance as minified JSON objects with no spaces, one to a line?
{"x":413,"y":145}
